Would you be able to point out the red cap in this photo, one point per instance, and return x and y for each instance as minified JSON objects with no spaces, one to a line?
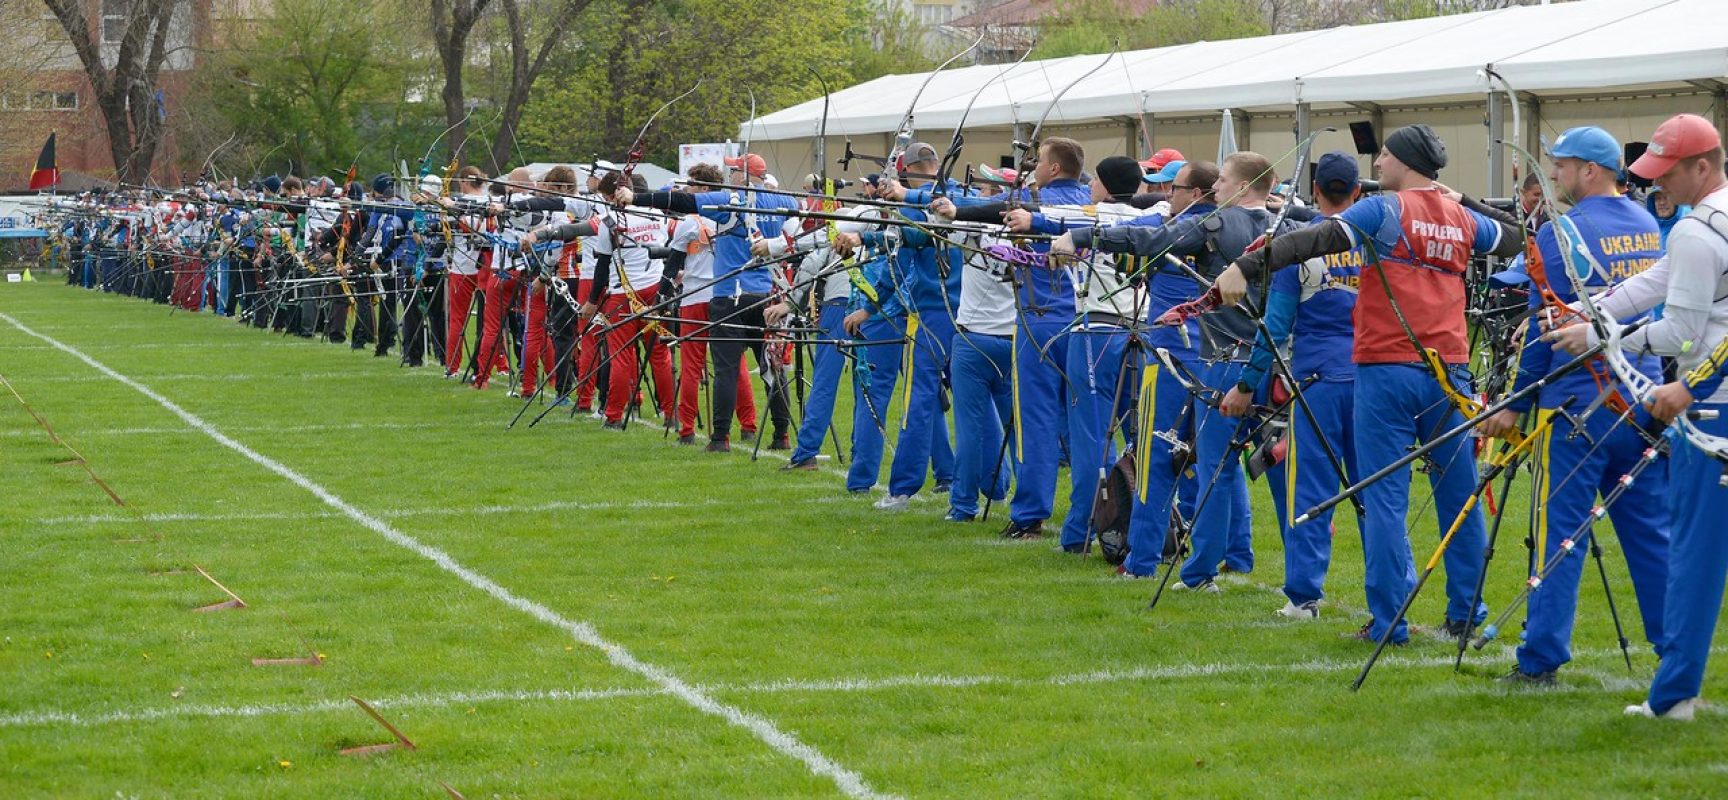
{"x":758,"y":167}
{"x":1682,"y":136}
{"x":1162,"y":157}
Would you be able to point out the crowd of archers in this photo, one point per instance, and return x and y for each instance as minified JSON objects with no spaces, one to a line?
{"x":1173,"y":331}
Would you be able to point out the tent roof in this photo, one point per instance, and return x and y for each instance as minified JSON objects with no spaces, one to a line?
{"x":1582,"y":46}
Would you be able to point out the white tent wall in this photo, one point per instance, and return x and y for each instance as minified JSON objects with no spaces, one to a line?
{"x":1623,"y":64}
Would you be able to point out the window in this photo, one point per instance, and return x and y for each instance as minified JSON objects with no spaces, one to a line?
{"x":115,"y":14}
{"x":39,"y":101}
{"x":929,"y":14}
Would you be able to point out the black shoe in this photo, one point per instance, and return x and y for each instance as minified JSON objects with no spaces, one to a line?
{"x":942,"y":487}
{"x":1456,"y":629}
{"x":719,"y":446}
{"x":381,"y":352}
{"x":781,"y":442}
{"x":1026,"y":533}
{"x":1539,"y":680}
{"x":613,"y":426}
{"x":688,"y":439}
{"x":416,"y":363}
{"x":747,"y":436}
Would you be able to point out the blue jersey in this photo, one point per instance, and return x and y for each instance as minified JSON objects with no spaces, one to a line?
{"x":1625,"y":240}
{"x":1172,"y":286}
{"x":734,"y":234}
{"x":1315,"y":301}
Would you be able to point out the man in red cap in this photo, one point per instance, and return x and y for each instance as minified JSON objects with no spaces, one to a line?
{"x":1161,"y":158}
{"x":1685,"y":157}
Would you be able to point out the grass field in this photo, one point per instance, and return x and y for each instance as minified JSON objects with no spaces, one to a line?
{"x":571,"y":612}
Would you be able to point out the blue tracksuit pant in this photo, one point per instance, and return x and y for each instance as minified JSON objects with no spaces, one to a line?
{"x":1310,"y":478}
{"x":1697,"y":566}
{"x":870,"y":413}
{"x":982,"y":376}
{"x":827,"y":364}
{"x":1640,"y":519}
{"x":1398,"y":405}
{"x":1164,"y":410}
{"x":1096,"y":406}
{"x":1040,"y":351}
{"x":1222,"y":516}
{"x":923,"y":436}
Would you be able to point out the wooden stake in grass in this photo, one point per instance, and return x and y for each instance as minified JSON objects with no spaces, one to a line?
{"x":454,"y":795}
{"x":370,"y":749}
{"x":233,"y":600}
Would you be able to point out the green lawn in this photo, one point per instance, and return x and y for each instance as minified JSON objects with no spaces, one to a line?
{"x":764,"y":622}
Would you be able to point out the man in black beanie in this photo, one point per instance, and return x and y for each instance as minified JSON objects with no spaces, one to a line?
{"x":1411,"y":348}
{"x":1419,"y":148}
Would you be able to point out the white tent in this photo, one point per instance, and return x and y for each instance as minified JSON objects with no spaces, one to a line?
{"x":1629,"y":62}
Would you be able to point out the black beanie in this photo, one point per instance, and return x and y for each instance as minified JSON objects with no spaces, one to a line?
{"x":1120,"y":175}
{"x":1419,"y":148}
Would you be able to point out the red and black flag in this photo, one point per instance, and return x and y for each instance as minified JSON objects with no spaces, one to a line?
{"x":45,"y":174}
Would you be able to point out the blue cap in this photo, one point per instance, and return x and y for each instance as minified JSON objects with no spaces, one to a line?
{"x":1167,"y":174}
{"x":1588,"y":143}
{"x":1337,"y":172}
{"x":1516,"y":274}
{"x":273,"y":184}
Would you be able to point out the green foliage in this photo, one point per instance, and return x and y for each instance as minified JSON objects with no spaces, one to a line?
{"x":631,"y":57}
{"x":322,"y":82}
{"x":1096,"y":26}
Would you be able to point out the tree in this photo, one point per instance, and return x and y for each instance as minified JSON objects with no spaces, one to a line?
{"x":635,"y":55}
{"x":125,"y":85}
{"x":316,"y":84}
{"x":1095,"y":26}
{"x":452,"y":23}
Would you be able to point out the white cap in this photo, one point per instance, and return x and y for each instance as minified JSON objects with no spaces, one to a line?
{"x":431,"y":184}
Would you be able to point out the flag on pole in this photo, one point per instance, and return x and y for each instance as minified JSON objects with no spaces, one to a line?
{"x":45,"y":174}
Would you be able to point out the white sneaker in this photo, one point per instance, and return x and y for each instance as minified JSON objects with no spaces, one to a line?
{"x":1310,"y":610}
{"x":894,"y":502}
{"x":1681,"y":711}
{"x":1207,"y":586}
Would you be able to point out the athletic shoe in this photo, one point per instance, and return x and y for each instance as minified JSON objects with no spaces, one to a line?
{"x":1071,"y":549}
{"x":687,"y":440}
{"x":942,"y":487}
{"x":1308,"y":610}
{"x":515,"y":392}
{"x":448,"y":374}
{"x":1518,"y":677}
{"x":584,"y":410}
{"x":955,"y":516}
{"x":1682,"y":711}
{"x":719,"y":446}
{"x":746,"y":436}
{"x":1456,"y":629}
{"x":561,"y":402}
{"x":780,"y":442}
{"x":894,"y":502}
{"x":1123,"y":573}
{"x":1015,"y":530}
{"x":613,"y":425}
{"x":1226,"y":569}
{"x":1207,"y":586}
{"x":807,"y":465}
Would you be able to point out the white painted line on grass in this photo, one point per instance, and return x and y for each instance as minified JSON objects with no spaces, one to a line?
{"x":838,"y":685}
{"x":402,"y":513}
{"x":848,"y":781}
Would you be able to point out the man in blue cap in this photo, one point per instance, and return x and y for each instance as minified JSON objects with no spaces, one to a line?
{"x":1591,"y":453}
{"x":1315,"y":301}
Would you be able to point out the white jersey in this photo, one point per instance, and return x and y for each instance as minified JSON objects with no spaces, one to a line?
{"x":1692,"y":282}
{"x":986,"y":301}
{"x":1099,"y":285}
{"x":464,"y":257}
{"x":632,"y":268}
{"x":321,"y":214}
{"x":694,"y":234}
